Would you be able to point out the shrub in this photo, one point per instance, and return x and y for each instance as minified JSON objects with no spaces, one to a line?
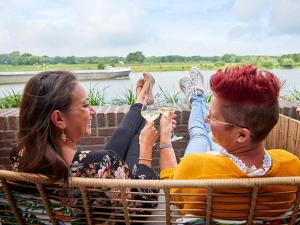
{"x":170,"y":96}
{"x":295,"y":94}
{"x":100,"y":66}
{"x":128,"y":98}
{"x":96,"y":96}
{"x":11,"y":99}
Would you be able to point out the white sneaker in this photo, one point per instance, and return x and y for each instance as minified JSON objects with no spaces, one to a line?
{"x":186,"y":86}
{"x":197,"y":79}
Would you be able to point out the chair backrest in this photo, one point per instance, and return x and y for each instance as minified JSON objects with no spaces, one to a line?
{"x":34,"y":199}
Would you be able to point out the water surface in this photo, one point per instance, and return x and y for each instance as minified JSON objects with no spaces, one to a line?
{"x":167,"y":80}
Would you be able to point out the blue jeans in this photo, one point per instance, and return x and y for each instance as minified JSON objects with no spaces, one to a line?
{"x":199,"y":131}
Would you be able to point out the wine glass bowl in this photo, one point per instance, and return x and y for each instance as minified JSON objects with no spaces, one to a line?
{"x":150,"y":112}
{"x":165,"y":108}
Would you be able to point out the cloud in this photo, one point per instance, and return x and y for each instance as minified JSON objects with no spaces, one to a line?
{"x":262,"y":18}
{"x":192,"y":27}
{"x":81,"y":25}
{"x":250,"y":10}
{"x":285,"y":17}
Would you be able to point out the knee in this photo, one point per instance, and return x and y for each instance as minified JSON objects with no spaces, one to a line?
{"x":197,"y":131}
{"x":122,"y":132}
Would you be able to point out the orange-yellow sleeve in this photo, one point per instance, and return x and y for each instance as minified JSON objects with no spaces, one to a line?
{"x":167,"y":174}
{"x":185,"y":169}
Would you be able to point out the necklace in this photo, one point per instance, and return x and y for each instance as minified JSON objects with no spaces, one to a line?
{"x":252,"y":170}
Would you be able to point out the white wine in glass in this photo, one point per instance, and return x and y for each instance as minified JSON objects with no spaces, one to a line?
{"x":165,"y":109}
{"x":150,"y":112}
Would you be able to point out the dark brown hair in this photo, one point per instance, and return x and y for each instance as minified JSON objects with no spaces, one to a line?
{"x":37,"y":136}
{"x":251,"y":96}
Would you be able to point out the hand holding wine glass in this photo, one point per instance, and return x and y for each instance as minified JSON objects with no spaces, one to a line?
{"x":169,"y":107}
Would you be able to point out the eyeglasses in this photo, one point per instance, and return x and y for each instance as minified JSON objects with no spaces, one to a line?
{"x":210,"y":118}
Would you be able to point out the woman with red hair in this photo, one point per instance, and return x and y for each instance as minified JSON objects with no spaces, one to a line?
{"x":243,"y":110}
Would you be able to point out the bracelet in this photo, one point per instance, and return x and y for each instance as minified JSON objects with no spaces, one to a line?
{"x":162,"y":146}
{"x":146,"y":159}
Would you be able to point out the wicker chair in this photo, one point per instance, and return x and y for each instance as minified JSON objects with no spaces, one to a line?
{"x":46,"y":207}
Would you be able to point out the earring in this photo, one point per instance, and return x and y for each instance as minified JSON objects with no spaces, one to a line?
{"x":63,"y":137}
{"x":240,"y":140}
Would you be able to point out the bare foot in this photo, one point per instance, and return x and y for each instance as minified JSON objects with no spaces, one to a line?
{"x":144,"y":88}
{"x":150,"y":80}
{"x":139,"y":86}
{"x":148,"y":77}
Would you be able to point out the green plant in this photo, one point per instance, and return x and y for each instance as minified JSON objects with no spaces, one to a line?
{"x":128,"y":98}
{"x":170,"y":96}
{"x":96,"y":96}
{"x":295,"y":94}
{"x":11,"y":99}
{"x":100,"y":66}
{"x":209,"y":97}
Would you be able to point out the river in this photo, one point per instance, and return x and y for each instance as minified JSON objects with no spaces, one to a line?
{"x":166,"y":80}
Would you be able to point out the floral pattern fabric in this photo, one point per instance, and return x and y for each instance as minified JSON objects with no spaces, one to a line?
{"x":107,"y":165}
{"x":102,"y":164}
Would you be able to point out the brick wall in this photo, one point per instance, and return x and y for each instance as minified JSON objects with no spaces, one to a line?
{"x":106,"y":120}
{"x":104,"y":123}
{"x":8,"y":129}
{"x":288,"y":108}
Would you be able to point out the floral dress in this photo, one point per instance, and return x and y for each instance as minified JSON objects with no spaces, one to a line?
{"x":107,"y":165}
{"x":103,"y":164}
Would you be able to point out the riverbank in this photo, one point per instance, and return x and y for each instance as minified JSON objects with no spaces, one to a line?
{"x":157,"y":67}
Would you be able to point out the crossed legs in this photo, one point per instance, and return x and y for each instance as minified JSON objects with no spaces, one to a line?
{"x":125,"y":139}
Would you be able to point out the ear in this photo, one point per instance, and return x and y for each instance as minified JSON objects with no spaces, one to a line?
{"x":243,"y":135}
{"x":57,"y":119}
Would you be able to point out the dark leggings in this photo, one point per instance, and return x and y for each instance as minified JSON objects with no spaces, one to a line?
{"x":125,"y":139}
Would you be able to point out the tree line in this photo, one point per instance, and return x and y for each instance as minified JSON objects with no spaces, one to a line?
{"x":16,"y":58}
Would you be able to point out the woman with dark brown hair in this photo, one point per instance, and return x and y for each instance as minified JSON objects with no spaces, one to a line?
{"x":55,"y":114}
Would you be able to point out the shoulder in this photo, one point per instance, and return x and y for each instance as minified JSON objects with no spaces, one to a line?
{"x":284,"y":162}
{"x":203,"y":165}
{"x":196,"y":158}
{"x":282,"y":155}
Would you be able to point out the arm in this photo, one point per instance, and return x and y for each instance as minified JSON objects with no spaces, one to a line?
{"x":148,"y":138}
{"x":167,"y":154}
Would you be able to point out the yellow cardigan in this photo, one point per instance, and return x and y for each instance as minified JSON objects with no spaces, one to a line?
{"x":212,"y":166}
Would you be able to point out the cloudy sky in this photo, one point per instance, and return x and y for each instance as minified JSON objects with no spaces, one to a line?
{"x":155,"y":27}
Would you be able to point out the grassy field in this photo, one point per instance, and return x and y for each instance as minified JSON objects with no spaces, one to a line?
{"x":134,"y":67}
{"x":159,"y":67}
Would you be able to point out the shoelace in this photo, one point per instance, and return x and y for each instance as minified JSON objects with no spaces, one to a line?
{"x":196,"y":76}
{"x":188,"y":87}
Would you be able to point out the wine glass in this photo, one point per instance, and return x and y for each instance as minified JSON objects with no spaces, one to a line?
{"x":150,"y":110}
{"x":165,"y":108}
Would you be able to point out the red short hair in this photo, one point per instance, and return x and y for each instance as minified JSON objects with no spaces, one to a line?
{"x":251,"y":98}
{"x":246,"y":85}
